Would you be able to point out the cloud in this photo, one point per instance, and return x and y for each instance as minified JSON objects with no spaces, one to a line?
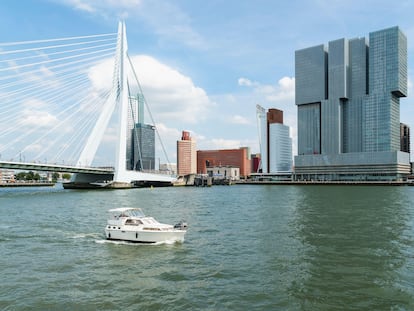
{"x":38,"y":118}
{"x":35,"y":114}
{"x":239,"y":120}
{"x":284,"y":90}
{"x":220,"y":143}
{"x":170,"y":94}
{"x":245,"y":82}
{"x":164,"y":18}
{"x":104,"y":7}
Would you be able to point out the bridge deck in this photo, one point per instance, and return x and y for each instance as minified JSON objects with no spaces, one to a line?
{"x":54,"y":168}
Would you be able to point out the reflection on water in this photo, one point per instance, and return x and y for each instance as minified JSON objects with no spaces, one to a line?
{"x":355,"y":247}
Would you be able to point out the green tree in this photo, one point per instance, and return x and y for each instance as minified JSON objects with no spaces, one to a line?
{"x":29,"y":176}
{"x":55,"y":176}
{"x":21,"y":176}
{"x":66,"y":176}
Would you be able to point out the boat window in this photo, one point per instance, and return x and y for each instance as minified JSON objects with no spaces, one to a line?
{"x":135,"y":222}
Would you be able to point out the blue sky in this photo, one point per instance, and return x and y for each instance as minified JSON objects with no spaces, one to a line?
{"x":217,"y":58}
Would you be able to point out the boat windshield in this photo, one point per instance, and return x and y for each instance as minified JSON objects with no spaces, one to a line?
{"x":127,"y":212}
{"x":135,"y":213}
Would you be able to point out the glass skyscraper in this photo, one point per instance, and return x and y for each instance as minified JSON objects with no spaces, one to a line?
{"x":348,"y":98}
{"x":144,"y":147}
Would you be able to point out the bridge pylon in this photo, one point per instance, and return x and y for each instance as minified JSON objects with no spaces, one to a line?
{"x":118,"y":101}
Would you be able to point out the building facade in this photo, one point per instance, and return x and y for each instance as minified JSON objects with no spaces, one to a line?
{"x":140,"y":145}
{"x":186,"y":155}
{"x":224,"y":172}
{"x":348,"y":98}
{"x":143,"y":142}
{"x":275,"y":142}
{"x":225,"y":157}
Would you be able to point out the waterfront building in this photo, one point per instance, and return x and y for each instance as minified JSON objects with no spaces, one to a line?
{"x":7,"y":176}
{"x":186,"y":155}
{"x":348,"y":99}
{"x":225,"y":157}
{"x":224,"y":172}
{"x":275,"y":142}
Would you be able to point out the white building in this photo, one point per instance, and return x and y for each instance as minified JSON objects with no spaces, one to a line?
{"x":6,"y":176}
{"x":275,"y":142}
{"x":280,"y":148}
{"x":224,"y":172}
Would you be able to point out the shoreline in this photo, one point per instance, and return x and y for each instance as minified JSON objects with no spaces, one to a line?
{"x":31,"y":184}
{"x":328,"y":183}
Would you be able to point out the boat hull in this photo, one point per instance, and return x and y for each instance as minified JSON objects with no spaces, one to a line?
{"x":145,"y":236}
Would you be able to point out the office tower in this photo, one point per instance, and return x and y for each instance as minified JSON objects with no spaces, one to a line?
{"x":348,"y":98}
{"x":275,"y":142}
{"x":144,"y":147}
{"x":140,"y":137}
{"x":186,"y":155}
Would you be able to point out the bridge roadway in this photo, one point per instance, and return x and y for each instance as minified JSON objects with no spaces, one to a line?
{"x":54,"y":168}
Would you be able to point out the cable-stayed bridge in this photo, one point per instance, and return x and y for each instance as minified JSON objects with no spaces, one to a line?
{"x":61,"y":105}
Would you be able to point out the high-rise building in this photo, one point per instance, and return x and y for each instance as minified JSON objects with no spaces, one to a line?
{"x":140,"y":137}
{"x":275,"y":142}
{"x":144,"y":147}
{"x":348,"y":98}
{"x":186,"y":155}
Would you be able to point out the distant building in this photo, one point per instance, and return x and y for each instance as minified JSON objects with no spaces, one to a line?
{"x":255,"y":162}
{"x":168,"y":168}
{"x":275,"y":142}
{"x":225,"y":157}
{"x":224,"y":172}
{"x":405,"y":137}
{"x":186,"y":155}
{"x":140,"y":137}
{"x":7,"y":176}
{"x":144,"y":147}
{"x":348,"y":99}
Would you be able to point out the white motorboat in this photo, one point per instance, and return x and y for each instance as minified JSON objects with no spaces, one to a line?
{"x":130,"y":224}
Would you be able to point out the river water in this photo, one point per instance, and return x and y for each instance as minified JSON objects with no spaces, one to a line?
{"x":248,"y":247}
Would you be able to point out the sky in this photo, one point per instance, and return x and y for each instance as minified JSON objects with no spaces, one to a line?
{"x":205,"y":65}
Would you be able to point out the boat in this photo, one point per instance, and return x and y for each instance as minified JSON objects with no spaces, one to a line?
{"x":131,"y":224}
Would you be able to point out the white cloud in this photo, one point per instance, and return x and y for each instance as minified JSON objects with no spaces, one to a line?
{"x":239,"y":120}
{"x":35,"y":113}
{"x":220,"y":143}
{"x":170,"y":94}
{"x":284,"y":90}
{"x":38,"y":118}
{"x":245,"y":82}
{"x":103,"y":6}
{"x":165,"y":18}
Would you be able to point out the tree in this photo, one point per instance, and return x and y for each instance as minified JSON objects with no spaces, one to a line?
{"x":66,"y":176}
{"x":55,"y":176}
